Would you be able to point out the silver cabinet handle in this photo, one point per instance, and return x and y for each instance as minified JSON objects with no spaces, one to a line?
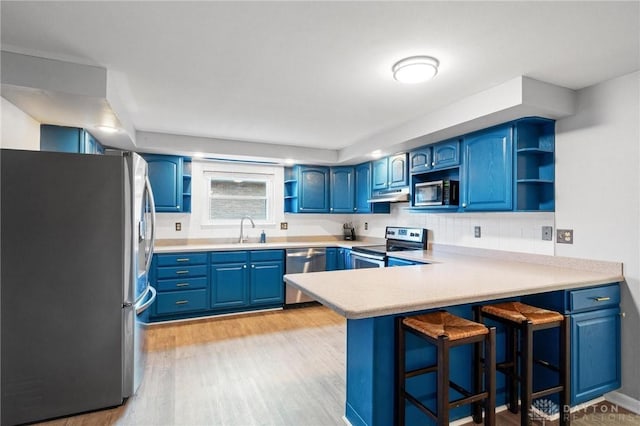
{"x":181,"y":272}
{"x":601,"y":299}
{"x":182,"y":285}
{"x":182,"y":302}
{"x":182,"y":259}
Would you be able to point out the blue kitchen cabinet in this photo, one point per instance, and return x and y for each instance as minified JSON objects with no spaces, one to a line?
{"x":390,"y":172}
{"x":594,"y":314}
{"x":265,"y":278}
{"x":344,"y":258}
{"x":434,"y":157}
{"x":182,"y":284}
{"x":338,"y":259}
{"x":313,"y":189}
{"x":229,"y":280}
{"x":165,"y":175}
{"x":487,"y":182}
{"x":342,"y":190}
{"x":363,"y":192}
{"x":68,"y":139}
{"x":331,"y":259}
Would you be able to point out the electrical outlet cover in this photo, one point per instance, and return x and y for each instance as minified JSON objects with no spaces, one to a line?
{"x":284,"y":225}
{"x":547,"y":233}
{"x":564,"y":236}
{"x":477,"y":232}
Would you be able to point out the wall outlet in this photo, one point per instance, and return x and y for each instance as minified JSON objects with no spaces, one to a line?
{"x":178,"y":226}
{"x":564,"y":236}
{"x":477,"y":232}
{"x":547,"y":233}
{"x":284,"y":225}
{"x":366,"y":226}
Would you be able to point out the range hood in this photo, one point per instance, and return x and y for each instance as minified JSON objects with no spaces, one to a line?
{"x":390,"y":196}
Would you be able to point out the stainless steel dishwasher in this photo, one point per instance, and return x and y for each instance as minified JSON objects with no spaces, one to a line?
{"x":301,"y":261}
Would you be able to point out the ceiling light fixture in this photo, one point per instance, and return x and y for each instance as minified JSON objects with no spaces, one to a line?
{"x":415,"y":69}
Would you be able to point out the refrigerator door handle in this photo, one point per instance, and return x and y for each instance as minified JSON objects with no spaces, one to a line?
{"x":152,"y":205}
{"x":140,"y":308}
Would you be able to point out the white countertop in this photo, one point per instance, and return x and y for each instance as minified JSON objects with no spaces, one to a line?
{"x":182,"y":248}
{"x":451,"y":279}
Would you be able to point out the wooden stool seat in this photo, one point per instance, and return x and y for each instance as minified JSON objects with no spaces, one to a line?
{"x":519,"y":313}
{"x":436,"y":324}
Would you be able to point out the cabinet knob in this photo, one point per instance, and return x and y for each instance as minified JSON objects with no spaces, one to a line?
{"x":331,"y":209}
{"x":244,"y":266}
{"x":253,"y":266}
{"x":355,"y":209}
{"x":464,"y":204}
{"x":433,"y":163}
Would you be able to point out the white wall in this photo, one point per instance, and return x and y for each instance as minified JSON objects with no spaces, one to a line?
{"x":598,"y":195}
{"x":19,"y":130}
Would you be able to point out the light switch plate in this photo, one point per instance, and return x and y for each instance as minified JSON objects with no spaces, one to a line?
{"x":477,"y":232}
{"x":178,"y":226}
{"x":564,"y":236}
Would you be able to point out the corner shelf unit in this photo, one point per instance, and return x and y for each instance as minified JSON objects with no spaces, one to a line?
{"x":186,"y":185}
{"x":290,"y":191}
{"x":534,"y":165}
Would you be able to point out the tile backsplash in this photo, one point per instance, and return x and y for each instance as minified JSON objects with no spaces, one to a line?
{"x":519,"y":232}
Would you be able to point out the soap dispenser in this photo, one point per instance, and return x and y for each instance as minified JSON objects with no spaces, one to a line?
{"x":263,"y":237}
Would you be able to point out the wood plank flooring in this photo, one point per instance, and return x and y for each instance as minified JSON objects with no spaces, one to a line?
{"x":272,"y":368}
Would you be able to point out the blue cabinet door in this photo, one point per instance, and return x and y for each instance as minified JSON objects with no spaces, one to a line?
{"x":344,"y":258}
{"x":398,"y":171}
{"x":488,"y":171}
{"x":420,"y":160}
{"x":393,"y":261}
{"x":229,"y":282}
{"x":331,"y":259}
{"x":61,"y":139}
{"x":165,"y":175}
{"x":446,"y":154}
{"x":343,"y":187}
{"x":595,"y":354}
{"x":380,"y":174}
{"x":313,"y":189}
{"x":363,"y":188}
{"x":267,"y":287}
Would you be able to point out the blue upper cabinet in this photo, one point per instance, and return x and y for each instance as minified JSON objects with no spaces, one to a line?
{"x":313,"y":189}
{"x":165,"y":175}
{"x":446,"y":154}
{"x":433,"y":157}
{"x":488,"y":170}
{"x":420,"y":160}
{"x":390,"y":172}
{"x":343,"y":188}
{"x":68,"y":139}
{"x":363,"y":192}
{"x":380,"y":179}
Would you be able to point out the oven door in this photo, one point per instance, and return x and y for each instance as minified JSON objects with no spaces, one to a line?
{"x":362,"y":260}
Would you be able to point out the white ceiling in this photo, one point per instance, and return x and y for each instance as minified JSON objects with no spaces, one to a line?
{"x":317,"y":74}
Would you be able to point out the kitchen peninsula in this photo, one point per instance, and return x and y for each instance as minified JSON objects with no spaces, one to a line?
{"x":370,"y":299}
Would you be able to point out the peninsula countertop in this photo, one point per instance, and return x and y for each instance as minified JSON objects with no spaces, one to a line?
{"x":450,"y":278}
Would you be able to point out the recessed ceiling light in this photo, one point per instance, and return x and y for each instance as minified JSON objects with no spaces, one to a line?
{"x":376,"y":154}
{"x":415,"y":69}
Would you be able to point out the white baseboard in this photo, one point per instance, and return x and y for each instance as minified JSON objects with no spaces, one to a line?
{"x":624,"y":401}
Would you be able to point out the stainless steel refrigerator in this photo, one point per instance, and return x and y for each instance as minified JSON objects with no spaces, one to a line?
{"x":77,"y":241}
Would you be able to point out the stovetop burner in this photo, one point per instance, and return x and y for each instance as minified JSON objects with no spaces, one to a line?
{"x":398,"y":239}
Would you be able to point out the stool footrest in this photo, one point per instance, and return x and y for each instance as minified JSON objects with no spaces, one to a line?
{"x":468,"y":400}
{"x":460,"y":389}
{"x":420,"y":405}
{"x":419,"y":371}
{"x":545,"y":392}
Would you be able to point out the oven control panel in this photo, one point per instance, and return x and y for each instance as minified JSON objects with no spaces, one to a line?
{"x":417,"y":235}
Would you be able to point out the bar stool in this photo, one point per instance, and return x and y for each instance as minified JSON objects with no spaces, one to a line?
{"x":523,"y":320}
{"x":445,"y":330}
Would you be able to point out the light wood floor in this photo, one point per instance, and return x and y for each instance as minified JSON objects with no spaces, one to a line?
{"x":274,"y":368}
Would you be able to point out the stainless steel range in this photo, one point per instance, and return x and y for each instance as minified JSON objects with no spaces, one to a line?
{"x":398,"y":239}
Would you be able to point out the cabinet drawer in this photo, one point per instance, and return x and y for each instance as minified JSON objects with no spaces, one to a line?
{"x":229,"y":256}
{"x":259,"y":255}
{"x":594,"y":298}
{"x":181,"y":271}
{"x":181,"y":284}
{"x":181,"y":301}
{"x":182,"y":259}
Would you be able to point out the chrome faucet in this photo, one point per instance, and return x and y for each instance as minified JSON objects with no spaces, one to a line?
{"x":242,"y":239}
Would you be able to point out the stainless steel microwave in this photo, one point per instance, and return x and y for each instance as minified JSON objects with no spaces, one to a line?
{"x":436,"y":193}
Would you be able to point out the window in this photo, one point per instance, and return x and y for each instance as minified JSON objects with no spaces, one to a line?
{"x":234,"y":195}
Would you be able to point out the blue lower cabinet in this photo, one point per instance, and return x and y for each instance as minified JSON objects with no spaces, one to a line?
{"x":182,"y":284}
{"x":331,"y":259}
{"x":266,"y":283}
{"x":338,"y":259}
{"x":393,"y":261}
{"x":595,"y":354}
{"x":229,"y":282}
{"x":181,"y":301}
